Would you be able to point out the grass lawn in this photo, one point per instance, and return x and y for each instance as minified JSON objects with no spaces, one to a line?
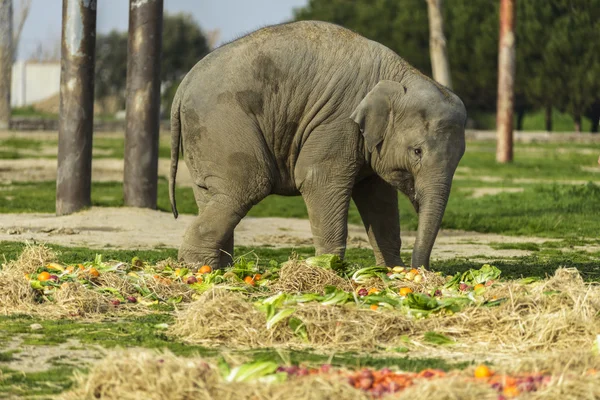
{"x":543,"y":208}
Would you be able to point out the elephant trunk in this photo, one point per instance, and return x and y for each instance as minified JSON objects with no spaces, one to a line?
{"x":432,"y":205}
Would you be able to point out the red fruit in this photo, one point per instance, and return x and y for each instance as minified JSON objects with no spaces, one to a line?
{"x":325,"y":368}
{"x":463,"y":287}
{"x":191,"y":280}
{"x":53,"y":278}
{"x":131,"y":299}
{"x":115,"y":302}
{"x":489,"y":283}
{"x":363,"y":292}
{"x":438,"y":293}
{"x":365,"y":383}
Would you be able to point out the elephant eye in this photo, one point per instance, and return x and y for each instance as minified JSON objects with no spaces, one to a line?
{"x":418,"y":152}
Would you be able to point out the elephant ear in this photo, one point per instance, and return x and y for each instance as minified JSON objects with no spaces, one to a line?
{"x":374,"y":113}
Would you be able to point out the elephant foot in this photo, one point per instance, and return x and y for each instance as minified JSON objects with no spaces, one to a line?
{"x":198,"y":258}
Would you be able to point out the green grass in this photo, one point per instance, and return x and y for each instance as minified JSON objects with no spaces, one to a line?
{"x":17,"y":147}
{"x":142,"y":332}
{"x":39,"y":385}
{"x":540,"y":264}
{"x":540,"y":210}
{"x":533,"y":121}
{"x":30,"y":111}
{"x":515,"y":246}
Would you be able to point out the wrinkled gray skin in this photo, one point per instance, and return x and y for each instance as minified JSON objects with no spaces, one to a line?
{"x":313,"y":109}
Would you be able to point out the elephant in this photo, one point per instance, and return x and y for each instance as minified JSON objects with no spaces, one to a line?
{"x":313,"y":109}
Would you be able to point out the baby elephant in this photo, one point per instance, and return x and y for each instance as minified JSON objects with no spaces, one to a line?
{"x":313,"y":109}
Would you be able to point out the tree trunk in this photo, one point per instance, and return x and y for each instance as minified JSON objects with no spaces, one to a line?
{"x":76,"y":118}
{"x":140,"y":179}
{"x":506,"y":79}
{"x":548,"y":118}
{"x":437,"y":44}
{"x":520,"y":116}
{"x":21,"y":17}
{"x":577,"y":120}
{"x":5,"y":61}
{"x":595,"y":116}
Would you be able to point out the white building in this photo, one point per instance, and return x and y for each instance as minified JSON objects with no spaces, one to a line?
{"x":33,"y":81}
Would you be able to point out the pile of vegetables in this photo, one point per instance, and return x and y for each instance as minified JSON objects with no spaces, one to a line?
{"x":250,"y":278}
{"x":384,"y":381}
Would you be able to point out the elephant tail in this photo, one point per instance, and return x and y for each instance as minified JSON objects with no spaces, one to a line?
{"x":175,"y":146}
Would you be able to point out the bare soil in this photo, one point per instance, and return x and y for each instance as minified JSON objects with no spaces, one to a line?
{"x":132,"y":228}
{"x":34,"y":358}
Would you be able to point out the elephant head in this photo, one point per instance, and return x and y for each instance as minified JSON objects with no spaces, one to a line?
{"x":414,"y":138}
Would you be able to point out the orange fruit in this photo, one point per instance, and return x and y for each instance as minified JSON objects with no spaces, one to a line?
{"x":415,"y":271}
{"x":80,"y":266}
{"x":257,"y":277}
{"x":249,"y":280}
{"x":405,"y":290}
{"x":373,"y":290}
{"x":205,"y":269}
{"x":43,"y":276}
{"x":482,"y":371}
{"x":374,"y":307}
{"x":511,"y":391}
{"x":94,"y":272}
{"x":478,"y":286}
{"x":70,"y":269}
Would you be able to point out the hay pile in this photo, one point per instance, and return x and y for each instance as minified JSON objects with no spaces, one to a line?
{"x":298,"y":277}
{"x":16,"y":296}
{"x":556,"y":314}
{"x":136,"y":374}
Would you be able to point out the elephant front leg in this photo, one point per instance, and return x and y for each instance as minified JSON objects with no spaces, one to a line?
{"x":377,"y":203}
{"x":328,"y":214}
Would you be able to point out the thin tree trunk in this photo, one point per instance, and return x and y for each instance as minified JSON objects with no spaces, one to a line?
{"x":5,"y":61}
{"x":548,"y":118}
{"x":76,"y":119}
{"x":577,"y":120}
{"x":595,"y":116}
{"x":437,"y":44}
{"x":140,"y":176}
{"x":520,"y":116}
{"x":22,"y":14}
{"x":506,"y":79}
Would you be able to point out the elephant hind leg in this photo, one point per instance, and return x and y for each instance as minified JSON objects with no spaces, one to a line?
{"x":210,"y":234}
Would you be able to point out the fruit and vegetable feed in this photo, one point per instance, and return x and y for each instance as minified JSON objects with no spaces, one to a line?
{"x":472,"y":333}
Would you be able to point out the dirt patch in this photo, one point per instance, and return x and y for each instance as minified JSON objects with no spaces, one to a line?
{"x":132,"y":228}
{"x":35,"y":358}
{"x":492,"y":191}
{"x":103,"y":170}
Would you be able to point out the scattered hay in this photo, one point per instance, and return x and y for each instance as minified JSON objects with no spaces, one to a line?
{"x":75,"y":299}
{"x":15,"y":293}
{"x":30,"y":260}
{"x":143,"y":374}
{"x":582,"y":387}
{"x":532,"y":319}
{"x":298,"y":277}
{"x":430,"y":281}
{"x":223,"y":317}
{"x":169,"y":290}
{"x":449,"y":388}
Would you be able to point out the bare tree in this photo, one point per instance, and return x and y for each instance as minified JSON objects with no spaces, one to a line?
{"x":20,"y":17}
{"x":49,"y":50}
{"x":5,"y":61}
{"x":506,"y":82}
{"x":437,"y":44}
